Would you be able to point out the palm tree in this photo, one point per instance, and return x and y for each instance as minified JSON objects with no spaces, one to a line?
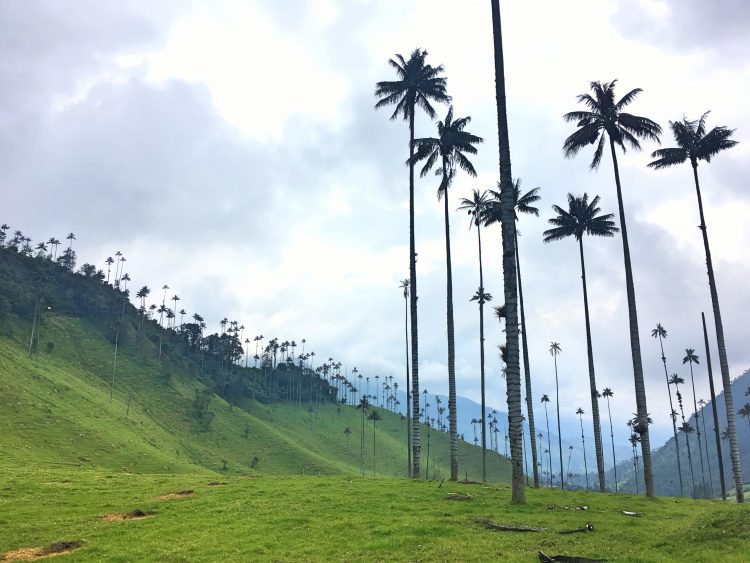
{"x":676,"y":380}
{"x":418,"y":84}
{"x":545,"y":400}
{"x":695,"y":143}
{"x":476,"y":208}
{"x":510,"y":289}
{"x":661,"y":333}
{"x":554,"y":350}
{"x":405,"y":286}
{"x":570,"y":454}
{"x":175,"y":298}
{"x":608,"y":394}
{"x":521,"y":204}
{"x":364,"y":405}
{"x":691,"y":358}
{"x":451,"y":146}
{"x":583,"y":217}
{"x":579,"y":412}
{"x":702,"y":403}
{"x":71,"y":237}
{"x":745,"y":412}
{"x":634,"y":439}
{"x":374,"y":416}
{"x":606,"y":120}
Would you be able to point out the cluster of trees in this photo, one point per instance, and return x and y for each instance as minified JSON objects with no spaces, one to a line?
{"x":603,"y":122}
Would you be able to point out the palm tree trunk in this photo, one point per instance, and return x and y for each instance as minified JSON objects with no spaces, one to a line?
{"x":413,"y":304}
{"x":549,"y":446}
{"x":408,"y":395}
{"x":635,"y":343}
{"x":722,"y":483}
{"x":674,"y":423}
{"x":592,"y":379}
{"x":583,"y":446}
{"x":734,"y":452}
{"x":452,"y":418}
{"x":612,"y":437}
{"x":698,"y":429}
{"x":481,"y":348}
{"x":512,"y":370}
{"x":527,"y":370}
{"x":559,"y":433}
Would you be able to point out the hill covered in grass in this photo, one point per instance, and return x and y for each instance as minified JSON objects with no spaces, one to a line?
{"x":66,"y":402}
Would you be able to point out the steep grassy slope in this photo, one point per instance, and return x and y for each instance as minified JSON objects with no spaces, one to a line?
{"x":55,"y":409}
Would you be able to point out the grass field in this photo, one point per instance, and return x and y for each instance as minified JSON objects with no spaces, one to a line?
{"x":73,"y":466}
{"x":343,"y":518}
{"x":55,"y":409}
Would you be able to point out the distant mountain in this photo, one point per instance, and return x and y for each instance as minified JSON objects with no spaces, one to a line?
{"x":665,"y":465}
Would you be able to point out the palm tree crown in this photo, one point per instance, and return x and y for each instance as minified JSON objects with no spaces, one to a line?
{"x":606,"y":116}
{"x":690,"y":356}
{"x":582,"y":217}
{"x":418,"y":84}
{"x":451,"y":145}
{"x":522,"y":203}
{"x":694,"y":143}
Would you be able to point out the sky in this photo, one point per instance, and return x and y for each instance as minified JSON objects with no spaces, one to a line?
{"x":232,"y":151}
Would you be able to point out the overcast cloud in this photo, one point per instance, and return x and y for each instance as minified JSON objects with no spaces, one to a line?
{"x":231,"y":150}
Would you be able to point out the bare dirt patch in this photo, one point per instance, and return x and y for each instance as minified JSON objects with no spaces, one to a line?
{"x":33,"y":553}
{"x":178,"y":494}
{"x":136,"y":514}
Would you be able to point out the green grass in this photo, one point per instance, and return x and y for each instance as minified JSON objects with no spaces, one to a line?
{"x":70,"y":456}
{"x":344,"y":518}
{"x":56,"y":410}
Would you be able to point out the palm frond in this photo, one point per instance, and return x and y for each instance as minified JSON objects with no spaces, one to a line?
{"x":667,"y":157}
{"x":627,"y":99}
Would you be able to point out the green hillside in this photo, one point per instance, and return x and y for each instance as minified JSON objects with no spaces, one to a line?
{"x":55,"y":407}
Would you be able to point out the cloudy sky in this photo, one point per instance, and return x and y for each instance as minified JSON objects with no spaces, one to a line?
{"x":231,"y":150}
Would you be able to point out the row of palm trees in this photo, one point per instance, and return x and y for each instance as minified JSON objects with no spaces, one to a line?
{"x":604,"y":121}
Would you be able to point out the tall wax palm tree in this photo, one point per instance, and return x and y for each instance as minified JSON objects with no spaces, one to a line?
{"x":418,"y":84}
{"x":510,"y":288}
{"x":375,"y":416}
{"x":696,"y":143}
{"x":364,"y":405}
{"x":579,"y":412}
{"x":522,"y":203}
{"x":634,"y":439}
{"x":661,"y":333}
{"x":545,"y":400}
{"x":583,"y":217}
{"x":451,"y":146}
{"x":606,"y":120}
{"x":714,"y":411}
{"x":676,"y":380}
{"x":175,"y":298}
{"x":702,"y":403}
{"x":476,"y":208}
{"x":554,"y":350}
{"x":608,"y":394}
{"x":745,"y":412}
{"x":71,"y":237}
{"x":405,"y":286}
{"x":691,"y":358}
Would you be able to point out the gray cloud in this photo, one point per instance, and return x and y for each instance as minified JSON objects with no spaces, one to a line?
{"x":691,"y":25}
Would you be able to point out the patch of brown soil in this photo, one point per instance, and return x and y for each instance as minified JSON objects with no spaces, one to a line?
{"x":136,"y":514}
{"x":33,"y":553}
{"x":178,"y":494}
